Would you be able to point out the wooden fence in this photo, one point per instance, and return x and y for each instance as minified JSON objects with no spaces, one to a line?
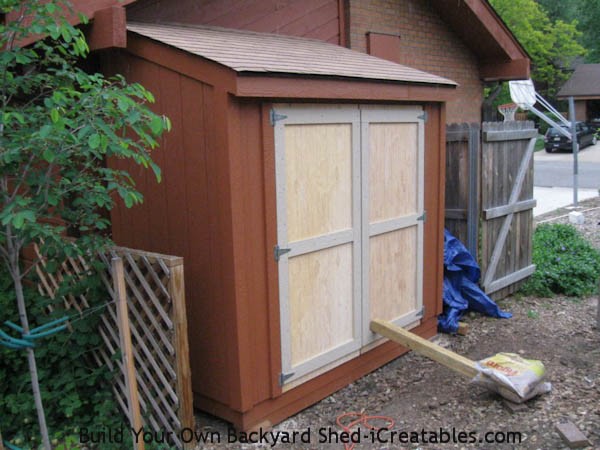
{"x":463,"y":149}
{"x":489,"y":198}
{"x":155,"y":295}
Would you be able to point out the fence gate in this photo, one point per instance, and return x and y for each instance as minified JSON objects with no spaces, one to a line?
{"x":489,"y":198}
{"x":507,"y":205}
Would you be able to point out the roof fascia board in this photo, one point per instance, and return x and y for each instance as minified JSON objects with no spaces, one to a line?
{"x":193,"y":66}
{"x":108,"y":29}
{"x":579,"y":97}
{"x":86,"y":7}
{"x":311,"y":88}
{"x":517,"y":69}
{"x":497,"y":28}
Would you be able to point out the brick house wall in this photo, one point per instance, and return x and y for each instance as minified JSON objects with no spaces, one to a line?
{"x":425,"y":43}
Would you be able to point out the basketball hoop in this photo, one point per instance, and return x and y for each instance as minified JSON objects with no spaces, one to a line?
{"x":522,"y":92}
{"x":508,"y":111}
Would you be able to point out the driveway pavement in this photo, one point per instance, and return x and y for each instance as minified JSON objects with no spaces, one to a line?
{"x":553,"y":178}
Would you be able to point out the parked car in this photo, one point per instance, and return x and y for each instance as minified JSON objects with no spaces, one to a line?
{"x":554,"y":140}
{"x":595,"y":123}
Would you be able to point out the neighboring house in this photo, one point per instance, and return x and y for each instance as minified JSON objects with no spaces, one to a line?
{"x":584,"y":87}
{"x":303,"y":182}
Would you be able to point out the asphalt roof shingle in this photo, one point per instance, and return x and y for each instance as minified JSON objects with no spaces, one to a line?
{"x":247,"y":51}
{"x":585,"y":82}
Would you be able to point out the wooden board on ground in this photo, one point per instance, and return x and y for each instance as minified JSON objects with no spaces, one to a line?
{"x":452,"y":360}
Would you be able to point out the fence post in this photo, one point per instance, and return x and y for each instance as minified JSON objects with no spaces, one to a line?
{"x":135,"y":417}
{"x":1,"y":442}
{"x":176,"y":288}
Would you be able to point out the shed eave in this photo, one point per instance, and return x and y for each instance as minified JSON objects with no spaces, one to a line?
{"x":290,"y":86}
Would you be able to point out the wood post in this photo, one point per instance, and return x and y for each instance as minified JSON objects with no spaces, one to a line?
{"x":176,"y":290}
{"x":135,"y":417}
{"x":1,"y":442}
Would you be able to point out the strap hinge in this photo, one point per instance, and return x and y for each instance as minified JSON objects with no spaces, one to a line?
{"x":423,"y":217}
{"x":283,"y":377}
{"x":423,"y":116}
{"x":278,"y":251}
{"x":276,"y":117}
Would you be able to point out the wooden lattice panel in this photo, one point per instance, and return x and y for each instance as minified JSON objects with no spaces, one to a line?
{"x":156,"y":304}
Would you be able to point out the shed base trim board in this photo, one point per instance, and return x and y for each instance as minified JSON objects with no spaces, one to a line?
{"x":273,"y":411}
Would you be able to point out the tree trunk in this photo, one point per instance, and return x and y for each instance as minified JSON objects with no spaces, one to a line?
{"x":35,"y":384}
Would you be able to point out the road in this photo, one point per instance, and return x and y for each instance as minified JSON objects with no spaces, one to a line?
{"x":553,"y":178}
{"x":556,"y":169}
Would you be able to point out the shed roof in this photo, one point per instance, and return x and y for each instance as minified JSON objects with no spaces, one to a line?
{"x":585,"y":82}
{"x":264,"y":53}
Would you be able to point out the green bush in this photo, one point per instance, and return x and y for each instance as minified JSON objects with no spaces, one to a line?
{"x":76,"y":393}
{"x":566,"y":263}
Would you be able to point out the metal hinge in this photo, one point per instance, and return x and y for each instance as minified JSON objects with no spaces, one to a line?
{"x":283,"y":377}
{"x":423,"y":116}
{"x":423,"y":217}
{"x":421,"y":313}
{"x":276,"y":117}
{"x":278,"y":251}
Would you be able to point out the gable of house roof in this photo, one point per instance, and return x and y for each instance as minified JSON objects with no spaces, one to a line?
{"x":584,"y":82}
{"x":266,"y":53}
{"x":484,"y":32}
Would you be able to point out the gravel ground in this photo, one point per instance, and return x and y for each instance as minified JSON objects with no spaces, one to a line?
{"x":419,"y":394}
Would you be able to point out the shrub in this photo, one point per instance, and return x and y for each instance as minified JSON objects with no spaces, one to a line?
{"x":76,"y":393}
{"x":566,"y":263}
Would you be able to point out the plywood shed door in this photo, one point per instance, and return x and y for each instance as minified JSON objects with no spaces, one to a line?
{"x":349,"y":203}
{"x":318,"y":213}
{"x":393,"y":215}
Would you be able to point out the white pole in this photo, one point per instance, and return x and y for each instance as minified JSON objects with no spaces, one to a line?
{"x":575,"y":148}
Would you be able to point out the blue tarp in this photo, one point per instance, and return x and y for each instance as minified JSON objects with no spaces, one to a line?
{"x":461,"y":291}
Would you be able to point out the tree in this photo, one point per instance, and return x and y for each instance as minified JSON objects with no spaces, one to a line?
{"x":553,"y":46}
{"x":589,"y":18}
{"x":58,"y":125}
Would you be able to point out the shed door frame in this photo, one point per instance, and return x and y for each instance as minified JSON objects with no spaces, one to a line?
{"x":360,"y":117}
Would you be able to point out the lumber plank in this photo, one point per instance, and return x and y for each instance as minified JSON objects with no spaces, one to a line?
{"x":135,"y":415}
{"x":453,"y":361}
{"x":509,"y":135}
{"x":571,"y":435}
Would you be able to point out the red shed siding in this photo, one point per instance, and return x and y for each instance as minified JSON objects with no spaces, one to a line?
{"x":318,"y":19}
{"x":175,"y":218}
{"x":426,"y":43}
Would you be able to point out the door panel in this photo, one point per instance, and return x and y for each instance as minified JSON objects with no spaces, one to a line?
{"x":318,"y":167}
{"x":318,"y":213}
{"x":321,"y":309}
{"x":392,"y":230}
{"x":393,"y":170}
{"x":393,"y":278}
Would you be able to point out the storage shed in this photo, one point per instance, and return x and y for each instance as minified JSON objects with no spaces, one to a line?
{"x":303,"y":183}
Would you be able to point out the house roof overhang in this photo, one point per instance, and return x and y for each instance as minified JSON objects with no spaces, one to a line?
{"x":281,"y":67}
{"x":107,"y":22}
{"x":500,"y":54}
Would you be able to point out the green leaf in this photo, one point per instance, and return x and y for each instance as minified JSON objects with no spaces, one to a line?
{"x":94,"y":141}
{"x":48,"y":155}
{"x":156,"y":125}
{"x":55,"y":115}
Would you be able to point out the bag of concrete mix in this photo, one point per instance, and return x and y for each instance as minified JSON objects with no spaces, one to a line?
{"x":514,"y":378}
